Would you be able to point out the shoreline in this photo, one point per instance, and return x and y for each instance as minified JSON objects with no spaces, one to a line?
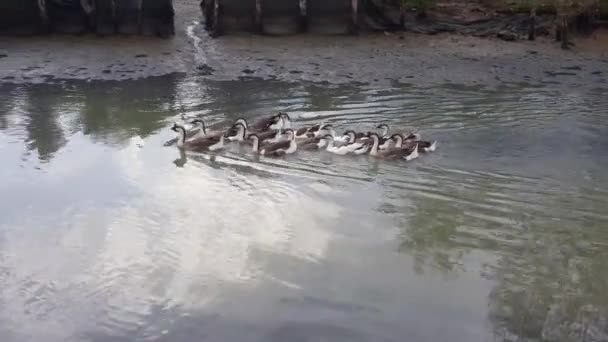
{"x":369,"y":58}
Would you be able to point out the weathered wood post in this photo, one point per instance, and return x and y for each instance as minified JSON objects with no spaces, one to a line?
{"x":20,"y":17}
{"x":105,"y":17}
{"x":303,"y":16}
{"x":355,"y":16}
{"x":564,"y":32}
{"x":532,"y":27}
{"x":128,"y":16}
{"x":402,"y":9}
{"x":156,"y":18}
{"x":44,"y":15}
{"x":259,"y":19}
{"x":216,"y":29}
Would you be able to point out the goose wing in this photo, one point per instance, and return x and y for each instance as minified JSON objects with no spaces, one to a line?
{"x":204,"y":142}
{"x":273,"y":148}
{"x":301,"y":131}
{"x":264,"y":123}
{"x":267,"y":135}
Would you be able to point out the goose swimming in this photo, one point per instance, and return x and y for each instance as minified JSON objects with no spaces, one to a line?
{"x":210,"y":142}
{"x":393,"y":153}
{"x":423,"y":146}
{"x":329,"y":141}
{"x":277,"y":149}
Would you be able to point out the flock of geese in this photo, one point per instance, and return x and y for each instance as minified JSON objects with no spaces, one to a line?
{"x":273,"y":136}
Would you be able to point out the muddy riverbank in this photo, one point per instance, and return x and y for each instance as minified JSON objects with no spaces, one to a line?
{"x":368,"y":58}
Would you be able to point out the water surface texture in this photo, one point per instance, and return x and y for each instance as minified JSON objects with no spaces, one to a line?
{"x":106,"y":235}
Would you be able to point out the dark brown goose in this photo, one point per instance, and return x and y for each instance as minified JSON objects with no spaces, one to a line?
{"x":312,"y":144}
{"x":207,"y":143}
{"x":278,"y":121}
{"x":277,"y":149}
{"x":423,"y":146}
{"x":199,"y":129}
{"x":392,"y":153}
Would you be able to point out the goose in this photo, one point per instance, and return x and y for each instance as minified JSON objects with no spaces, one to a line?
{"x":386,"y":141}
{"x":385,"y":129}
{"x":266,"y":123}
{"x":363,"y":149}
{"x":209,"y":142}
{"x":312,"y":144}
{"x":423,"y":146}
{"x":197,"y":130}
{"x":286,"y":120}
{"x":351,"y":141}
{"x":342,"y":150}
{"x":278,"y":121}
{"x":314,"y":131}
{"x":394,"y":153}
{"x":277,"y":149}
{"x":241,"y":131}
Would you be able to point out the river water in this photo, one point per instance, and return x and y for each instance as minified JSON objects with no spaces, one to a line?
{"x":106,"y":235}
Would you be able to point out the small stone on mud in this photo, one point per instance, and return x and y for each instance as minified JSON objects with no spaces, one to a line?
{"x":9,"y":78}
{"x":3,"y":55}
{"x":295,"y":72}
{"x":507,"y":36}
{"x":248,"y":71}
{"x":574,"y":67}
{"x":597,"y":73}
{"x":143,"y":55}
{"x":106,"y":71}
{"x":532,"y":52}
{"x":204,"y":69}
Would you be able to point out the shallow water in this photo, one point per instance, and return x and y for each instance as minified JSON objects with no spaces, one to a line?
{"x":106,"y":235}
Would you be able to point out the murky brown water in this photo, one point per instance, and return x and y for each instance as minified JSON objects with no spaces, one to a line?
{"x":105,"y":235}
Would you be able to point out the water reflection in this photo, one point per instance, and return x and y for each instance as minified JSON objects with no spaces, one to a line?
{"x":107,"y":235}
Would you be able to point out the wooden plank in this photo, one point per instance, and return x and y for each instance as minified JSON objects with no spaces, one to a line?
{"x":355,"y":16}
{"x":303,"y":16}
{"x":259,"y":18}
{"x":217,"y":19}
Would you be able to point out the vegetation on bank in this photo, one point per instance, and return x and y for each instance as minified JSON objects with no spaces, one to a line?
{"x":569,"y":15}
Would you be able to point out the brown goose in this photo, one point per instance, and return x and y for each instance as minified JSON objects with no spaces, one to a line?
{"x":277,"y":149}
{"x":423,"y":146}
{"x":241,"y":132}
{"x":278,"y":121}
{"x":212,"y":142}
{"x":313,"y":144}
{"x":393,"y":153}
{"x":199,"y":129}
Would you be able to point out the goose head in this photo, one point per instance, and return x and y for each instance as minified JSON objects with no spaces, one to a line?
{"x":375,"y":139}
{"x":398,"y":139}
{"x":179,"y":129}
{"x":351,"y":135}
{"x":384,"y":128}
{"x":291,"y":135}
{"x":286,"y":119}
{"x":200,"y":124}
{"x":328,"y":139}
{"x":241,"y":132}
{"x":241,"y":121}
{"x":412,"y":136}
{"x":326,"y":129}
{"x":255,"y":139}
{"x":277,"y":122}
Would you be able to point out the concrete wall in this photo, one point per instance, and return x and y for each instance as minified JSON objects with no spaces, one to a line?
{"x":281,"y":16}
{"x":104,"y":17}
{"x":19,"y":17}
